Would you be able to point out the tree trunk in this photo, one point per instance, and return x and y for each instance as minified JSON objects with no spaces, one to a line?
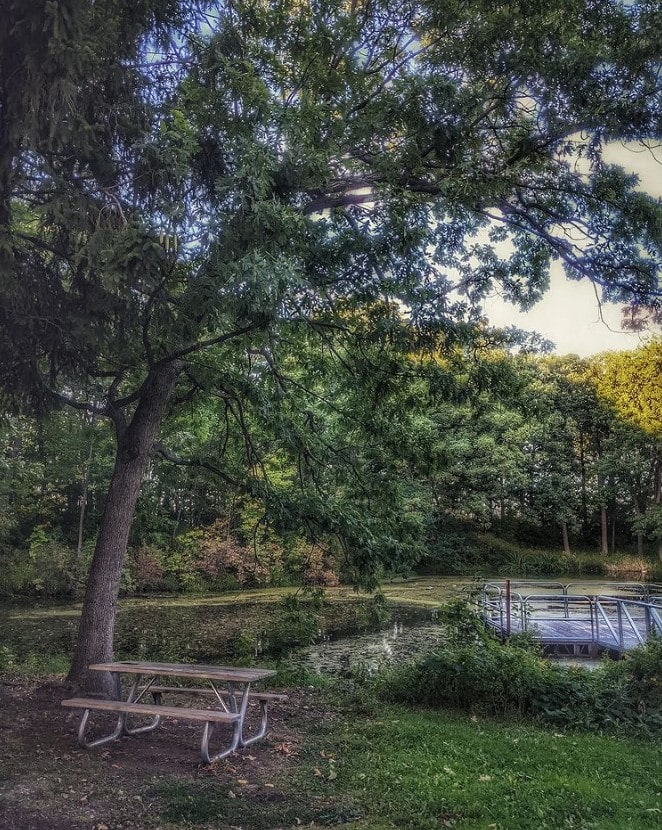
{"x":10,"y":73}
{"x":658,"y":498}
{"x":178,"y":517}
{"x":638,"y":511}
{"x":584,"y":497}
{"x":566,"y":540}
{"x":502,"y":502}
{"x":83,"y":500}
{"x":611,"y":512}
{"x":134,"y":445}
{"x":604,"y":531}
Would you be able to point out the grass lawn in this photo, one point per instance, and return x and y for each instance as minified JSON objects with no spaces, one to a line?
{"x":424,"y":770}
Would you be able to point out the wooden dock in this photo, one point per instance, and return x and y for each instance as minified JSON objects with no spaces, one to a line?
{"x":577,"y":624}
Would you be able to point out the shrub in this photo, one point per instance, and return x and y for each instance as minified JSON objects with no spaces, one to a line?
{"x":476,"y":673}
{"x":147,"y":567}
{"x":641,"y":674}
{"x":299,"y":625}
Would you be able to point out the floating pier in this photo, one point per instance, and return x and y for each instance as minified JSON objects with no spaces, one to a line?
{"x":580,"y":619}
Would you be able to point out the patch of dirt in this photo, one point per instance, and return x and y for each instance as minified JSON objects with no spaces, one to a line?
{"x":47,"y":782}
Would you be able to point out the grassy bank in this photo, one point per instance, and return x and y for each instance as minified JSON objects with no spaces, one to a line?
{"x":422,"y":771}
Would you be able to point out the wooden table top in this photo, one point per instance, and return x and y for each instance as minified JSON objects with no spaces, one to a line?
{"x":192,"y":670}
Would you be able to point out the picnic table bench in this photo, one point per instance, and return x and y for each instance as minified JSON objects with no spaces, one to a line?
{"x":228,"y":687}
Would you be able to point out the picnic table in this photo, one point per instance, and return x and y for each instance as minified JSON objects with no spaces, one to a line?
{"x":227,"y":688}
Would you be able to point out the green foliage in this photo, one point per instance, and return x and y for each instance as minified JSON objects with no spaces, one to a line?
{"x":48,"y":568}
{"x":245,"y":648}
{"x":463,"y":626}
{"x":487,"y":553}
{"x":641,"y":674}
{"x":630,"y":382}
{"x":320,"y":169}
{"x":379,"y":612}
{"x":299,"y":625}
{"x":431,"y":468}
{"x":453,"y":552}
{"x":50,"y":562}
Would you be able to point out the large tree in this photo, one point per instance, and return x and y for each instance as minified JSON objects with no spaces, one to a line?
{"x":186,"y":185}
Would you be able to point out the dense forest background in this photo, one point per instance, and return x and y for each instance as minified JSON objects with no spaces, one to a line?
{"x":456,"y":460}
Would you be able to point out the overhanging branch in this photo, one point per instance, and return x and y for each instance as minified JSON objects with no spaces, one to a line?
{"x":201,"y":345}
{"x":170,"y":456}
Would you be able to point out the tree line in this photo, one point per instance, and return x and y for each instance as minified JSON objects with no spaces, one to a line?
{"x":545,"y":451}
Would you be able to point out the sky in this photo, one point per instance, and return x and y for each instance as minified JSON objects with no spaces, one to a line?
{"x":569,"y":314}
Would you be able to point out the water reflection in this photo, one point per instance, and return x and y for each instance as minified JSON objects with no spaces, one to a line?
{"x":369,"y":652}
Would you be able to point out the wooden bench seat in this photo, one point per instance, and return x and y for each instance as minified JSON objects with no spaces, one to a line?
{"x":210,"y":717}
{"x":207,"y":692}
{"x":207,"y":715}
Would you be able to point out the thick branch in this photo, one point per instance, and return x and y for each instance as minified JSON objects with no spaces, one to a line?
{"x":201,"y":345}
{"x":159,"y":449}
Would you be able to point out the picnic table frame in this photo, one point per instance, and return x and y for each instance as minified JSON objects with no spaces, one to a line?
{"x":229,"y":688}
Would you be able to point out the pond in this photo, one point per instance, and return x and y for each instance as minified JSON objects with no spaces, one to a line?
{"x":410,"y":635}
{"x":346,"y":630}
{"x":243,"y":625}
{"x":369,"y":652}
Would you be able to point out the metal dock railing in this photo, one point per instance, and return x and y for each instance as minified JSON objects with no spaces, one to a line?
{"x":563,"y":619}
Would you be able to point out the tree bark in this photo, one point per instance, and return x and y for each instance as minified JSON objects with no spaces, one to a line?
{"x":604,"y":531}
{"x":584,"y":497}
{"x":502,"y":503}
{"x":611,"y":512}
{"x":566,"y":540}
{"x":640,"y":535}
{"x":134,"y":445}
{"x":83,"y":500}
